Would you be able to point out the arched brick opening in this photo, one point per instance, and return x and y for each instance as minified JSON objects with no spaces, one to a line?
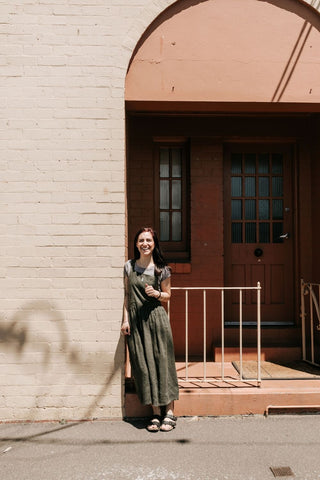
{"x":230,"y":51}
{"x":197,"y":77}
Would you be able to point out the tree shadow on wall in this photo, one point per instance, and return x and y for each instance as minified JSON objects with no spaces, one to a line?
{"x":16,"y":337}
{"x":13,"y":335}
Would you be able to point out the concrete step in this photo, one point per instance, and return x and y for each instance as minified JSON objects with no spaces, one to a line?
{"x":231,"y":397}
{"x":270,"y":354}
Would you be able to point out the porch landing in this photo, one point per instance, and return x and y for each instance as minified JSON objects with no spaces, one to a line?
{"x":232,"y":397}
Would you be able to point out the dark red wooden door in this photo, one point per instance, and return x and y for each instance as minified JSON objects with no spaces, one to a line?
{"x":259,"y":240}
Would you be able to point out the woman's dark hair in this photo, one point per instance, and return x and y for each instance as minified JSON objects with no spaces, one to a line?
{"x":157,"y":254}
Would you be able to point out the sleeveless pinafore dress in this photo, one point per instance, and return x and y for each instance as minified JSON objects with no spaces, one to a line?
{"x":150,"y":343}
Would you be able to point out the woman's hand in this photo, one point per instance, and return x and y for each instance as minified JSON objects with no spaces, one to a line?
{"x":151,"y":292}
{"x":125,"y":328}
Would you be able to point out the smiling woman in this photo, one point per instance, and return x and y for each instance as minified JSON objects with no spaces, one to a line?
{"x":147,"y":328}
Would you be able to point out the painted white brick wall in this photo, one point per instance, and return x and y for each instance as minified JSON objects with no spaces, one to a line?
{"x":62,"y":203}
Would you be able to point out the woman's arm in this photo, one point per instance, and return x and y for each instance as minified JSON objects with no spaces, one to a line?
{"x":165,"y":290}
{"x":164,"y":294}
{"x":125,"y":326}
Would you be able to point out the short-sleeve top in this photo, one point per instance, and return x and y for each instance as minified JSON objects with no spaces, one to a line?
{"x":165,"y":272}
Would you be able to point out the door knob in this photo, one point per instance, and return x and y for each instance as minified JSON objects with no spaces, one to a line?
{"x":284,"y":236}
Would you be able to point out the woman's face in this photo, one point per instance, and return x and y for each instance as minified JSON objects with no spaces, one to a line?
{"x":145,"y":244}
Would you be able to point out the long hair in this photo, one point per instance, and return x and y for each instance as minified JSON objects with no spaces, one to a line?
{"x":157,"y":254}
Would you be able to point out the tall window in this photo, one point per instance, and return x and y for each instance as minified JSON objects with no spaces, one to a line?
{"x":171,"y":202}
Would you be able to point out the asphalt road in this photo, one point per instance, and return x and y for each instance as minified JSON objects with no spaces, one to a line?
{"x":224,"y":448}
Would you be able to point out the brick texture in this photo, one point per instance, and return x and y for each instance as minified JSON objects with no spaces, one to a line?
{"x":62,"y":204}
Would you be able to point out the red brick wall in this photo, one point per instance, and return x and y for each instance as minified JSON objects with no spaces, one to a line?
{"x":316,"y":202}
{"x":206,"y":216}
{"x":206,"y":266}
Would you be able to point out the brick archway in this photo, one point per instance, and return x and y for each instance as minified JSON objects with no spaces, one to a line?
{"x":157,"y":7}
{"x":248,"y":52}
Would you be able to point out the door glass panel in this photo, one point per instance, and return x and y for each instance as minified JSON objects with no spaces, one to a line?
{"x":257,"y":193}
{"x":176,"y":194}
{"x":277,"y":186}
{"x":176,"y":162}
{"x":164,"y":162}
{"x":250,"y":186}
{"x":250,"y":163}
{"x":264,"y":213}
{"x":277,"y":230}
{"x":176,"y":226}
{"x":263,"y":163}
{"x":164,"y":226}
{"x":236,"y":209}
{"x":277,"y":163}
{"x":236,"y":187}
{"x":250,"y":209}
{"x":164,"y":194}
{"x":264,"y":186}
{"x":236,"y":229}
{"x":236,"y":163}
{"x":264,"y":232}
{"x":277,"y":209}
{"x":250,"y":233}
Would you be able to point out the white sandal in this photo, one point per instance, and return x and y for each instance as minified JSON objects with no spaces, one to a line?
{"x":169,"y":420}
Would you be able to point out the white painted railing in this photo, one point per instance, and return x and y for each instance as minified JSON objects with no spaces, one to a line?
{"x":310,"y":317}
{"x":222,"y":298}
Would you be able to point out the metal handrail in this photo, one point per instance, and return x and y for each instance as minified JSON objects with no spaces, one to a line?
{"x":309,"y":288}
{"x":222,"y":290}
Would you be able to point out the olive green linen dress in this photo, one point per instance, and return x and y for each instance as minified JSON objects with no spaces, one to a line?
{"x":150,"y":341}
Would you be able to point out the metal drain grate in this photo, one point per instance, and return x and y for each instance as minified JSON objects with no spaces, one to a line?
{"x":282,"y":471}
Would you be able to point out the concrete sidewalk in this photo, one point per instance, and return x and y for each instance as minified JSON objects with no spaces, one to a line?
{"x":222,"y":448}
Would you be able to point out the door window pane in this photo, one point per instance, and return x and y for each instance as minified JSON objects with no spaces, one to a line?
{"x":236,"y":187}
{"x":236,"y":229}
{"x":176,"y":162}
{"x":164,"y":194}
{"x":176,"y":226}
{"x":250,"y":186}
{"x":277,"y":186}
{"x":250,"y":233}
{"x":277,"y":209}
{"x":236,"y":163}
{"x":250,"y":209}
{"x":277,"y":230}
{"x":263,"y":163}
{"x":250,"y":163}
{"x":164,"y":162}
{"x":264,"y":213}
{"x":176,"y":194}
{"x":164,"y":226}
{"x":264,"y":187}
{"x":264,"y":232}
{"x":236,"y":209}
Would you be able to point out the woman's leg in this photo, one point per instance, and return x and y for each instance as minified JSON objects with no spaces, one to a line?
{"x":170,"y":408}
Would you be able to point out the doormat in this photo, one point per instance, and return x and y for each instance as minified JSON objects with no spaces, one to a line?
{"x":297,"y":370}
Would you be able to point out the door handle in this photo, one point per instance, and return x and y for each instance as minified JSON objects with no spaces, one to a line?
{"x":284,"y":236}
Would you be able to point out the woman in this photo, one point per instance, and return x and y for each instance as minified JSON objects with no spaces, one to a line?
{"x":146,"y":324}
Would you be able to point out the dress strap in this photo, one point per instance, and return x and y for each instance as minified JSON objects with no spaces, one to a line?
{"x":132,"y":263}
